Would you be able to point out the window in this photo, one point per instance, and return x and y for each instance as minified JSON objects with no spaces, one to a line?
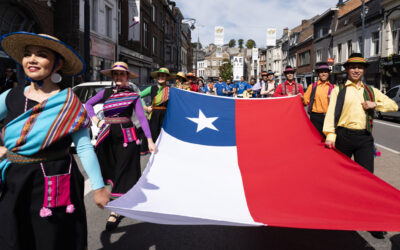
{"x":214,"y":63}
{"x":319,"y":55}
{"x":168,"y":57}
{"x":375,"y":43}
{"x":145,"y":42}
{"x":321,"y":33}
{"x":392,"y":93}
{"x":154,"y":45}
{"x":108,"y":21}
{"x":339,"y":51}
{"x":94,"y":7}
{"x":396,"y":36}
{"x":161,"y":49}
{"x":214,"y":72}
{"x":154,"y":13}
{"x":305,"y":58}
{"x":349,"y":47}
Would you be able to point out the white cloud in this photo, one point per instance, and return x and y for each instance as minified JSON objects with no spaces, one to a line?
{"x":248,"y":18}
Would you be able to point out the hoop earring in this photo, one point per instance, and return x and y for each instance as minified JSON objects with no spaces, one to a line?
{"x":56,"y":78}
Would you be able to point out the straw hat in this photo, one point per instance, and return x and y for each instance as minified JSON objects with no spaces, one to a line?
{"x":161,"y":70}
{"x":14,"y":45}
{"x":120,"y":66}
{"x":180,"y":74}
{"x":191,"y":75}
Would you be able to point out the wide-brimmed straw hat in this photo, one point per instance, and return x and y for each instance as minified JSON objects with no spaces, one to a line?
{"x":119,"y":66}
{"x":180,"y":74}
{"x":356,"y":58}
{"x":322,"y":66}
{"x":14,"y":45}
{"x":191,"y":75}
{"x":154,"y":74}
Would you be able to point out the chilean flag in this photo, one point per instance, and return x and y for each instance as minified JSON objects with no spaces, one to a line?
{"x":225,"y":161}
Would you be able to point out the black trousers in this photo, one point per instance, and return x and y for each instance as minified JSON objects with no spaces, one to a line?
{"x":317,"y":119}
{"x":359,"y":143}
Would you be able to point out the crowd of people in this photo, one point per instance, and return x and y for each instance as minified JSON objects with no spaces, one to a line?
{"x":41,"y":198}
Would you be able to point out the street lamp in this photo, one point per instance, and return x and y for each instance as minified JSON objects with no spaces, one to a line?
{"x":192,"y":22}
{"x":364,"y":11}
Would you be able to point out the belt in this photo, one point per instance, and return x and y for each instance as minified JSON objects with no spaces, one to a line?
{"x":315,"y":113}
{"x":116,"y":120}
{"x":354,"y":131}
{"x":159,"y":108}
{"x":36,"y":158}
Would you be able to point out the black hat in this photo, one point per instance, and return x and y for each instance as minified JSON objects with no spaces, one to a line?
{"x":356,"y":58}
{"x":289,"y":69}
{"x":322,"y":66}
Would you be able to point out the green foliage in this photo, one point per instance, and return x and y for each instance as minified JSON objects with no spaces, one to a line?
{"x":232,"y":43}
{"x":226,"y":69}
{"x":241,"y":41}
{"x":250,"y":44}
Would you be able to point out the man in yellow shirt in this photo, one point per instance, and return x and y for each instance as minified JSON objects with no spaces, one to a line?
{"x":349,"y":119}
{"x":317,"y":96}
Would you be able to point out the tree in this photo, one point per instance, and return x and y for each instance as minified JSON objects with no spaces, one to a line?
{"x":232,"y":43}
{"x":241,"y":41}
{"x":250,"y":44}
{"x":226,"y":70}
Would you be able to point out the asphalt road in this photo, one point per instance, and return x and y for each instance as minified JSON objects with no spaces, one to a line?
{"x":132,"y":234}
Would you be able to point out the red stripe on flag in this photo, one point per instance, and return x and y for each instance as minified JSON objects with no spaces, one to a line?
{"x":291,"y":180}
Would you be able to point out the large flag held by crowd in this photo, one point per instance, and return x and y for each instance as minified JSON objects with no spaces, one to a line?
{"x":225,"y":161}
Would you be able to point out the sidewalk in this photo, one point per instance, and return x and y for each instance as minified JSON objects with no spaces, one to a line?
{"x":387,"y":167}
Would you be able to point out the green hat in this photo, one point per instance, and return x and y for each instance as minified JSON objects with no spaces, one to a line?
{"x":161,"y":70}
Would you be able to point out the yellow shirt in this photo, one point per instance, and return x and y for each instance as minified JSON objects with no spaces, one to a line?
{"x":321,"y":99}
{"x":353,"y":114}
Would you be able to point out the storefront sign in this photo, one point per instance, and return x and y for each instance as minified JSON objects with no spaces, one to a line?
{"x":101,"y":48}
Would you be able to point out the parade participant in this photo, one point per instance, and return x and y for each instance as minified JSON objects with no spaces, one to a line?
{"x":228,"y":91}
{"x":317,"y":96}
{"x":219,"y":87}
{"x":255,"y":89}
{"x":290,"y":86}
{"x":159,"y":101}
{"x":117,"y":145}
{"x":192,"y":82}
{"x":267,"y":84}
{"x":42,"y":202}
{"x":181,"y":81}
{"x":211,"y":90}
{"x":240,"y":87}
{"x":8,"y":81}
{"x":349,"y":119}
{"x":202,"y":87}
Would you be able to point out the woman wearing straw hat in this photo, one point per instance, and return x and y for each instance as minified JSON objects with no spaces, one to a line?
{"x":159,"y":95}
{"x":117,"y":145}
{"x":181,"y":81}
{"x":42,"y":201}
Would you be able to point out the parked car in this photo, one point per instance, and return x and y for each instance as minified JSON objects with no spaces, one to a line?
{"x":87,"y":90}
{"x":394,"y":94}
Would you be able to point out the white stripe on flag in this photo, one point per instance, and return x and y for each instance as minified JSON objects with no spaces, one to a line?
{"x":179,"y":193}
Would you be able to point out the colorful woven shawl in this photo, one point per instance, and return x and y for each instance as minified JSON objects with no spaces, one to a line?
{"x":161,"y":97}
{"x":113,"y":106}
{"x":44,"y":124}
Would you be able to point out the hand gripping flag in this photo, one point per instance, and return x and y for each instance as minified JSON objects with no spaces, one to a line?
{"x":255,"y":162}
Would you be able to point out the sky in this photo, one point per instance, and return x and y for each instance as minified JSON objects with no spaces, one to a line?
{"x":248,"y":19}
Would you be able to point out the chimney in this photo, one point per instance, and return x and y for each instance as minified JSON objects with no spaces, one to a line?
{"x":340,"y":3}
{"x":285,"y":31}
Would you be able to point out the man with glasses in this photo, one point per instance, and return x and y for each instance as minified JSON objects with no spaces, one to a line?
{"x":349,"y":119}
{"x":290,"y":87}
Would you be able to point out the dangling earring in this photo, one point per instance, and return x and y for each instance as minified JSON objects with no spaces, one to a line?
{"x":56,"y":78}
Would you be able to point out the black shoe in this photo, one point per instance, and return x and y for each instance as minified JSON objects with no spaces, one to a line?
{"x":111,"y":225}
{"x":378,"y":234}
